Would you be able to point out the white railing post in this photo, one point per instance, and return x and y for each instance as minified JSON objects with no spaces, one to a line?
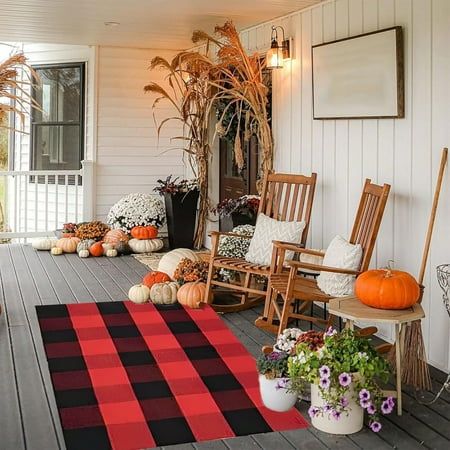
{"x":88,"y":190}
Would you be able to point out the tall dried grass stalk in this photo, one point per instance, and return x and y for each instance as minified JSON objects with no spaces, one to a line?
{"x":15,"y":82}
{"x":196,"y":83}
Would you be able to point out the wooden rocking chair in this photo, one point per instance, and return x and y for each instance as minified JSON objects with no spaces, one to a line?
{"x":284,"y":197}
{"x":292,"y":286}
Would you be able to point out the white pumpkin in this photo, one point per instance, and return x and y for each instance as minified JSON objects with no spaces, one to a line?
{"x":139,"y":293}
{"x":111,"y":252}
{"x":164,"y":293}
{"x":55,"y":251}
{"x":145,"y":245}
{"x":44,"y":243}
{"x":83,"y":253}
{"x":170,"y":261}
{"x":107,"y":246}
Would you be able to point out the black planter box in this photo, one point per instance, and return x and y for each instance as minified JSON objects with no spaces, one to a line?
{"x":243,"y":219}
{"x":181,"y":213}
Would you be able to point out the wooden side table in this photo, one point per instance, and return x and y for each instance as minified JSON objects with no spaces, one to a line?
{"x":351,"y":309}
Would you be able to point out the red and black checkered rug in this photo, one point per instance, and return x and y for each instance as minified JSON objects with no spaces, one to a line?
{"x":131,"y":376}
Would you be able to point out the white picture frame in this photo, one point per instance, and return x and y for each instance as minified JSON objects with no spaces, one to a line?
{"x":359,"y":77}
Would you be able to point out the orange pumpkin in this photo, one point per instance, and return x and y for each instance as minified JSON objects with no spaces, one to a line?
{"x":96,"y":249}
{"x":192,"y":294}
{"x":148,"y":232}
{"x":113,"y":237}
{"x":68,"y":244}
{"x":387,"y":289}
{"x":155,"y":277}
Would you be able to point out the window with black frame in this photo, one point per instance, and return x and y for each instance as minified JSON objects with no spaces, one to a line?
{"x":57,"y":127}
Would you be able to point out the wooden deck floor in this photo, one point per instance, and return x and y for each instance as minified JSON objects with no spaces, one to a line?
{"x":28,"y":414}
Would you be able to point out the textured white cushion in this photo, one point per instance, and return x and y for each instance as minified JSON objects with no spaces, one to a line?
{"x":343,"y":255}
{"x":268,"y":230}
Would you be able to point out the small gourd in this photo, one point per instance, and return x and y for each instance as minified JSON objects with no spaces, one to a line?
{"x":154,"y":277}
{"x":84,"y":253}
{"x":44,"y":243}
{"x":139,"y":293}
{"x":192,"y":294}
{"x":85,"y":244}
{"x":145,"y":245}
{"x":56,"y":251}
{"x":170,"y":261}
{"x":111,"y":253}
{"x":107,"y":246}
{"x":68,"y":245}
{"x":96,"y":249}
{"x":164,"y":293}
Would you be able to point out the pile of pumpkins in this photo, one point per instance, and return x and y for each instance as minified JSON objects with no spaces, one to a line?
{"x":159,"y":288}
{"x":115,"y":242}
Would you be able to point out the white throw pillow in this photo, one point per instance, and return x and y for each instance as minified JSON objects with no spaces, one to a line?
{"x":268,"y":230}
{"x":343,"y":255}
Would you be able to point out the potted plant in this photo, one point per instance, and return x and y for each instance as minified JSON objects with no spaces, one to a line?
{"x":343,"y":373}
{"x":69,"y":229}
{"x":181,"y":201}
{"x":274,"y":383}
{"x":136,"y":210}
{"x":242,"y":210}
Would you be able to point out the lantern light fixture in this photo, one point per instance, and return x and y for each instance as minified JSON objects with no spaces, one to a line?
{"x":277,"y":53}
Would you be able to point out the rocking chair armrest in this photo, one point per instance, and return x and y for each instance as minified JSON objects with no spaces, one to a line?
{"x":298,"y":248}
{"x":228,"y":233}
{"x":320,"y":268}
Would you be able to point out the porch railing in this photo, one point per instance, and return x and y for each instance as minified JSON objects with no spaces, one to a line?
{"x":38,"y":202}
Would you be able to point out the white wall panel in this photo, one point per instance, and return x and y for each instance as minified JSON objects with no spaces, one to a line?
{"x":403,"y":152}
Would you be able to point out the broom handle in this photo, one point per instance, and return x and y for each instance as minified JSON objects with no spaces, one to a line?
{"x":437,"y":191}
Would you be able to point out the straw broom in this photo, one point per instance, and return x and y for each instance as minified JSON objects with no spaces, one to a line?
{"x":415,"y":369}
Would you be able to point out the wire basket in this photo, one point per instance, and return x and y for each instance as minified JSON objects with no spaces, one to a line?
{"x":443,"y":276}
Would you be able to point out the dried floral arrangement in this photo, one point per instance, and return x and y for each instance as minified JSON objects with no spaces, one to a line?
{"x":175,"y":186}
{"x":197,"y":84}
{"x":91,"y":230}
{"x":247,"y":205}
{"x":188,"y":270}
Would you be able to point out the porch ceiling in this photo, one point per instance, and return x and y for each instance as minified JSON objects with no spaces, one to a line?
{"x":143,"y":23}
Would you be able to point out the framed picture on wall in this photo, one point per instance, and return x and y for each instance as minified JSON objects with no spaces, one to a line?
{"x":359,"y":77}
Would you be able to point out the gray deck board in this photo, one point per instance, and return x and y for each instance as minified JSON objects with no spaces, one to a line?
{"x":29,"y":418}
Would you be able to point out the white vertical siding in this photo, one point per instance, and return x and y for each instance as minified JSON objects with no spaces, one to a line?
{"x":402,"y":152}
{"x":130,"y":157}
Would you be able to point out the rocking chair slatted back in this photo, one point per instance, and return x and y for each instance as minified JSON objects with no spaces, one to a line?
{"x":368,"y":219}
{"x":288,"y":197}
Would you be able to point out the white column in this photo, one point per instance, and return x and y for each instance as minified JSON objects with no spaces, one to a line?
{"x":88,"y":190}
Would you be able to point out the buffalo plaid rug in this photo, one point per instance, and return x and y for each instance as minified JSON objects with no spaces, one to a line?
{"x":131,"y":376}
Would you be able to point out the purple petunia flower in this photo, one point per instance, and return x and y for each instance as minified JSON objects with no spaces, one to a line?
{"x":364,"y":402}
{"x":386,"y":407}
{"x":371,"y":408}
{"x":330,"y":332}
{"x":326,"y":407}
{"x":324,"y":383}
{"x":364,"y":394}
{"x":391,"y":401}
{"x":324,"y":371}
{"x":312,"y":411}
{"x":336,"y":414}
{"x":345,"y":379}
{"x":344,"y":402}
{"x":375,"y":426}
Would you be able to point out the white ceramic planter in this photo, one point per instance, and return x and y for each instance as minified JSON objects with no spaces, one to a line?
{"x":347,"y":424}
{"x":275,"y":398}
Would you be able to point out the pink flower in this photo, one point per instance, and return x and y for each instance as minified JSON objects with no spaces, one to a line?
{"x":364,"y":394}
{"x":386,"y":407}
{"x":313,"y":411}
{"x":324,"y":371}
{"x":375,"y":426}
{"x":324,"y":383}
{"x":345,"y":379}
{"x":371,"y":408}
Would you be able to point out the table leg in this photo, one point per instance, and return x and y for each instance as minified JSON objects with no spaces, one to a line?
{"x":398,"y":368}
{"x":349,"y":324}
